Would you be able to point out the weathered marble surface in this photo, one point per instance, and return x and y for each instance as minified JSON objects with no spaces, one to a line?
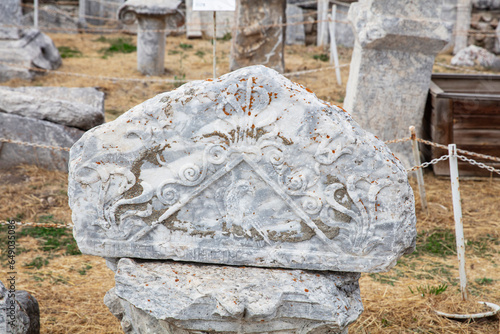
{"x":169,"y":297}
{"x":475,"y":55}
{"x":81,"y":108}
{"x":193,"y":21}
{"x":295,"y":33}
{"x":33,"y":50}
{"x":53,"y":19}
{"x":10,"y":17}
{"x":260,"y":37}
{"x":98,"y":12}
{"x":391,"y":65}
{"x":343,"y":30}
{"x":41,"y":132}
{"x":19,"y":315}
{"x":249,"y":169}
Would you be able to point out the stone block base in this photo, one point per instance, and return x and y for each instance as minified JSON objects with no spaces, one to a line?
{"x":182,"y":298}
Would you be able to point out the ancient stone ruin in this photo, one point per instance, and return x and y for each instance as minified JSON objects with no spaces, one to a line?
{"x":391,"y":65}
{"x":260,"y":34}
{"x":23,"y":49}
{"x":153,"y":17}
{"x":242,"y":204}
{"x":60,"y":116}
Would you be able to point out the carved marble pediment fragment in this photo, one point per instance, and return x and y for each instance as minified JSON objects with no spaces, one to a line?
{"x":248,"y":169}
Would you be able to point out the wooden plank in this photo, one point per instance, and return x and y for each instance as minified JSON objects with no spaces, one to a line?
{"x":490,"y":87}
{"x":476,"y":122}
{"x":465,"y":111}
{"x":476,"y":107}
{"x":493,"y":150}
{"x":441,"y":129}
{"x":476,"y":137}
{"x":465,"y":169}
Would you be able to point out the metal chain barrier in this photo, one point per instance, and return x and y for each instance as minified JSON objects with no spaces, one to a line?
{"x":315,"y":70}
{"x":10,"y":141}
{"x":49,"y":225}
{"x":444,"y":157}
{"x":394,"y":141}
{"x":474,"y":154}
{"x":107,"y":78}
{"x":478,"y":164}
{"x":427,"y":164}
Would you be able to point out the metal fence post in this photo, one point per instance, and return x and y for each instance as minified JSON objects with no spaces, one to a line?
{"x":334,"y":57}
{"x":35,"y":14}
{"x":457,"y":211}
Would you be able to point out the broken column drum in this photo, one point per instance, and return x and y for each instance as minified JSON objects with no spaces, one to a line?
{"x":249,"y":169}
{"x":391,"y":66}
{"x":152,"y":17}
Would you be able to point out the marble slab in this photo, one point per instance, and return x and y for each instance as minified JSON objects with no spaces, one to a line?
{"x":248,"y":169}
{"x":173,"y":297}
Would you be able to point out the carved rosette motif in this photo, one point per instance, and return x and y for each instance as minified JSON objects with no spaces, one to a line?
{"x":251,"y":161}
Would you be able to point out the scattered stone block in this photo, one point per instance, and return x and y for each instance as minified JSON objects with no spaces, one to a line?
{"x":81,"y":108}
{"x":390,"y":73}
{"x":100,"y":12}
{"x":10,"y":19}
{"x":33,"y":50}
{"x":31,"y":130}
{"x":231,"y":299}
{"x":53,"y":19}
{"x":475,"y":55}
{"x":260,"y":34}
{"x":152,"y":16}
{"x":19,"y":314}
{"x":249,"y":169}
{"x":20,"y":49}
{"x":193,"y":21}
{"x":295,"y":33}
{"x":343,"y":30}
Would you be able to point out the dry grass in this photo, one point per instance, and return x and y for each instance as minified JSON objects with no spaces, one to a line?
{"x":70,"y":288}
{"x":70,"y":295}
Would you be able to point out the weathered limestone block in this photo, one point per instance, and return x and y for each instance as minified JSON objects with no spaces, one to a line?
{"x":170,"y":297}
{"x":295,"y":33}
{"x":152,"y":17}
{"x":99,"y":12}
{"x":193,"y":21}
{"x":474,"y":55}
{"x":53,"y":19}
{"x":31,"y":130}
{"x":343,"y":30}
{"x":18,"y":315}
{"x":10,"y":19}
{"x":33,"y":50}
{"x":81,"y":108}
{"x":391,"y":65}
{"x":248,"y":169}
{"x":22,"y":49}
{"x":260,"y":34}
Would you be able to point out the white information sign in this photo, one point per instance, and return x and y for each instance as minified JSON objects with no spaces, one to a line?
{"x":214,"y":5}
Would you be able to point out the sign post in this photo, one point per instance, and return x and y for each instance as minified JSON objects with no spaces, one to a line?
{"x":214,"y":5}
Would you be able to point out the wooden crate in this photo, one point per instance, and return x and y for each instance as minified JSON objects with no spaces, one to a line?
{"x":465,"y":110}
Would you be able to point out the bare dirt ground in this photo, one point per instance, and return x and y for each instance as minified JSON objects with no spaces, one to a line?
{"x":70,"y":286}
